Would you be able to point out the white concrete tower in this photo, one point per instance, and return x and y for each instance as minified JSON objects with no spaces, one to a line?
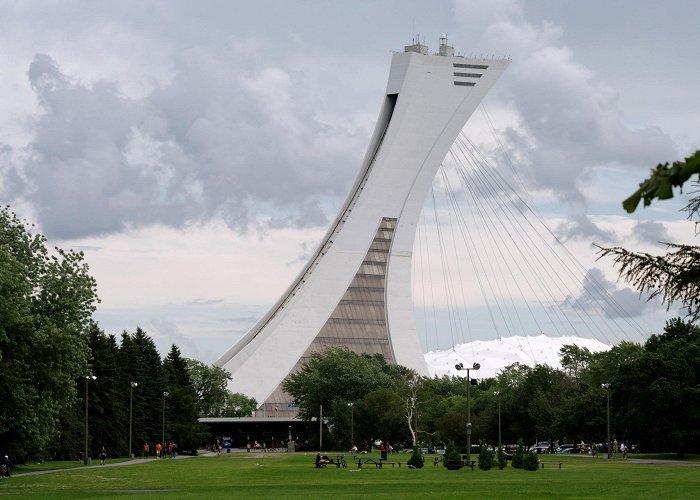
{"x":356,"y":289}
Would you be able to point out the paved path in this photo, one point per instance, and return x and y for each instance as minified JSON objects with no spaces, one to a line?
{"x":133,"y":461}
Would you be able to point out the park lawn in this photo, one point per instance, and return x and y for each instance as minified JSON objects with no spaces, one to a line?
{"x":294,"y":476}
{"x":54,"y":465}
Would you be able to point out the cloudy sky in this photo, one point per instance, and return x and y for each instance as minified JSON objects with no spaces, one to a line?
{"x":196,"y":151}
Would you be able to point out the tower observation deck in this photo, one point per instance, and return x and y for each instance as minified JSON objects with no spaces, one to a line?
{"x":355,"y":291}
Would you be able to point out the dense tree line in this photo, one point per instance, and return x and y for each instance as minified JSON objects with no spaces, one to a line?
{"x":53,"y":355}
{"x":653,"y":388}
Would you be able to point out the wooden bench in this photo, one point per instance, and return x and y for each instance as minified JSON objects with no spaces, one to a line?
{"x":466,"y":463}
{"x":339,"y":462}
{"x":393,"y":464}
{"x":361,"y":462}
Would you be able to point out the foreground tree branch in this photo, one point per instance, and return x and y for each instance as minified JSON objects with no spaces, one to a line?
{"x":674,"y":277}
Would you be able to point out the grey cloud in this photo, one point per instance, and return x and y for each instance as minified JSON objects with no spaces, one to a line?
{"x":597,"y":294}
{"x":581,"y":227}
{"x":570,"y":120}
{"x":225,"y":139}
{"x":651,"y":232}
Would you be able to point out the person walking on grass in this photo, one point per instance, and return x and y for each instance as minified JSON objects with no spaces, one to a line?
{"x":103,"y":456}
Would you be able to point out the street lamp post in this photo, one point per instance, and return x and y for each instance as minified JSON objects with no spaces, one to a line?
{"x":131,"y":406}
{"x":475,"y":367}
{"x":88,"y":378}
{"x":498,"y":396}
{"x":352,"y":424}
{"x":607,"y":393}
{"x":162,"y":436}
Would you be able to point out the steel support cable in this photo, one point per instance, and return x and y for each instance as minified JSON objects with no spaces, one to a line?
{"x":525,"y":246}
{"x":471,"y":189}
{"x":492,"y":200}
{"x":505,"y":260}
{"x":572,"y":259}
{"x":462,"y":218}
{"x":488,"y":214}
{"x":460,"y":279}
{"x":471,"y":253}
{"x":545,"y":266}
{"x":450,"y":278}
{"x":507,"y":320}
{"x":537,"y":258}
{"x":445,"y":267}
{"x":464,"y":229}
{"x":454,"y":207}
{"x":480,"y":273}
{"x":605,"y":294}
{"x":491,"y":173}
{"x":492,"y":129}
{"x":432,"y":291}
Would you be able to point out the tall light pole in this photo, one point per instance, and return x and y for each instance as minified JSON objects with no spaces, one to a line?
{"x":131,"y":406}
{"x":162,"y":436}
{"x":320,"y":428}
{"x":88,"y":378}
{"x":475,"y":367}
{"x":352,"y":424}
{"x":607,"y":392}
{"x":498,"y":396}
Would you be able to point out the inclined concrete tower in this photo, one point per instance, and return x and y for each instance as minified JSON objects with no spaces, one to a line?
{"x":355,"y":291}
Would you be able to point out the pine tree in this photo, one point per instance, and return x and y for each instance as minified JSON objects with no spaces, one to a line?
{"x":518,"y":457}
{"x":485,"y":458}
{"x":181,"y":405}
{"x":417,"y":460}
{"x":531,"y":461}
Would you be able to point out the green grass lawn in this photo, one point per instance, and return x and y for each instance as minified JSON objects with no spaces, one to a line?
{"x":294,"y":476}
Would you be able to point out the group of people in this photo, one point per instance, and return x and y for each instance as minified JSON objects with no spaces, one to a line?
{"x":170,"y":450}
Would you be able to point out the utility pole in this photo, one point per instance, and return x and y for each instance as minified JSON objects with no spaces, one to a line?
{"x":88,"y":378}
{"x":607,"y":392}
{"x":475,"y":367}
{"x":131,"y":405}
{"x":162,"y":439}
{"x":498,"y":395}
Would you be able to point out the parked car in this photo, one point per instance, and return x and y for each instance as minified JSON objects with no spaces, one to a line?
{"x":565,"y":448}
{"x":541,"y":447}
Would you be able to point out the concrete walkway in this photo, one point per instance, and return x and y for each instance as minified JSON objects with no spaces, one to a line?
{"x":134,"y":461}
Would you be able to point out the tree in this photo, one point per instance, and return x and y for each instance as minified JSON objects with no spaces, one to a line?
{"x":181,"y":405}
{"x":485,"y":458}
{"x":417,"y":460}
{"x":673,"y":277}
{"x":658,"y":393}
{"x":335,"y":377}
{"x":662,"y":181}
{"x":46,"y":300}
{"x":530,"y":462}
{"x":518,"y":456}
{"x":238,"y":405}
{"x":452,"y":456}
{"x":502,"y":459}
{"x":209,"y":383}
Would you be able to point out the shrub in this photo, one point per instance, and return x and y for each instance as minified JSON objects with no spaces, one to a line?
{"x":531,"y":462}
{"x":502,"y":460}
{"x":417,"y":460}
{"x":485,"y":458}
{"x":451,"y":454}
{"x":518,"y":457}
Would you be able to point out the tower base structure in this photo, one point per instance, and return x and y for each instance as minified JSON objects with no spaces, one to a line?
{"x":355,"y":291}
